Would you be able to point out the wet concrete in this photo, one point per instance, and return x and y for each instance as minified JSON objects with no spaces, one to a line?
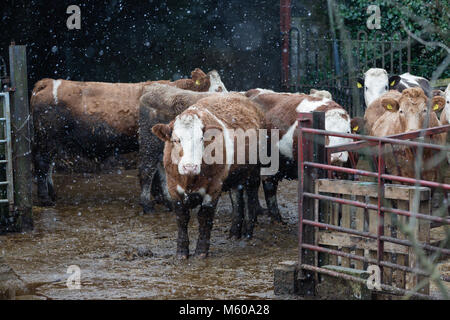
{"x":97,"y":226}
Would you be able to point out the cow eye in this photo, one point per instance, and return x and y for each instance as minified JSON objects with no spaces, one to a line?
{"x":366,"y":88}
{"x":401,"y":111}
{"x":386,"y":88}
{"x":176,"y":140}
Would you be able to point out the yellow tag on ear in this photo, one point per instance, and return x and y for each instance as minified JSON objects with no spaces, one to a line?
{"x":356,"y":128}
{"x":389,"y":107}
{"x":359,"y":85}
{"x":197,"y":82}
{"x":392,"y":83}
{"x":435,"y":107}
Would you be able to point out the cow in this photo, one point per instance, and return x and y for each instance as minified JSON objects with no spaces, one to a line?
{"x":405,"y":113}
{"x":281,"y":111}
{"x":445,"y":115}
{"x":376,"y":82}
{"x":320,"y":94}
{"x":160,"y":103}
{"x":194,"y":182}
{"x":94,"y":119}
{"x":375,"y":110}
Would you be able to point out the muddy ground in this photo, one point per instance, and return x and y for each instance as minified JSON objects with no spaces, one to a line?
{"x":97,"y":226}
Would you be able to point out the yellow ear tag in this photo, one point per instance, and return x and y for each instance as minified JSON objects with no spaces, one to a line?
{"x":389,"y":107}
{"x":197,"y":82}
{"x":356,"y":128}
{"x":359,"y":85}
{"x":435,"y":107}
{"x":392,"y":83}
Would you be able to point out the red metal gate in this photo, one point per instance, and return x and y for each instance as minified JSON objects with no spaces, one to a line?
{"x":311,"y":152}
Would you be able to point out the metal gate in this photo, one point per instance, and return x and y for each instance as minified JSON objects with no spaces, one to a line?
{"x":6,"y":151}
{"x":331,"y":64}
{"x":352,"y":221}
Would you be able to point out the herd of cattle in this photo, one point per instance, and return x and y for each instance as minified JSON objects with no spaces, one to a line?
{"x":163,"y":118}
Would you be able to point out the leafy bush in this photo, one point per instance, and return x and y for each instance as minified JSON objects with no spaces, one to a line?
{"x":427,"y":19}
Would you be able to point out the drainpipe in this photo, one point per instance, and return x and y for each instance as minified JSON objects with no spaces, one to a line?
{"x":285,"y":26}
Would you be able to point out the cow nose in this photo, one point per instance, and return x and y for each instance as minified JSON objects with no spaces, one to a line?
{"x":190,"y":168}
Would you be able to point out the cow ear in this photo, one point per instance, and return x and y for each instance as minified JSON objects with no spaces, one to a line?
{"x":393,"y":81}
{"x":360,"y":83}
{"x":437,"y":103}
{"x":162,"y":131}
{"x":198,"y":76}
{"x":438,"y":93}
{"x":312,"y":91}
{"x":389,"y":104}
{"x":356,"y":124}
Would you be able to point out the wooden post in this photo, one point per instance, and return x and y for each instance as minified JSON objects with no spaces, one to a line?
{"x":21,"y":133}
{"x":313,"y":149}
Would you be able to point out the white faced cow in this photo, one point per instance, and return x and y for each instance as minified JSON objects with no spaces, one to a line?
{"x":376,"y":82}
{"x":193,"y":180}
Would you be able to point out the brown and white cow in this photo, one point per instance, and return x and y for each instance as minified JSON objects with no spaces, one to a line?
{"x":192,"y":181}
{"x":406,"y":113}
{"x":94,"y":119}
{"x":160,"y":103}
{"x":281,"y":112}
{"x":445,"y":115}
{"x":375,"y":110}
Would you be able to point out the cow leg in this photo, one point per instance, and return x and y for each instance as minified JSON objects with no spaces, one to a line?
{"x":182,"y":216}
{"x":50,"y":186}
{"x":270,"y":185}
{"x":159,"y":189}
{"x":236,"y":196}
{"x":42,"y":167}
{"x":205,"y":222}
{"x":251,"y":202}
{"x":150,"y":154}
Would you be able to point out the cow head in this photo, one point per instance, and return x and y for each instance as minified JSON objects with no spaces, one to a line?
{"x":216,"y":83}
{"x":412,"y":108}
{"x":375,"y":83}
{"x":201,"y":80}
{"x":188,"y":137}
{"x":447,"y":102}
{"x":339,"y":121}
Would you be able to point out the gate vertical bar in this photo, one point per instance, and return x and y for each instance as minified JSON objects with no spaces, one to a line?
{"x":21,"y":133}
{"x":310,"y":148}
{"x":380,"y":230}
{"x":8,"y":149}
{"x":285,"y":26}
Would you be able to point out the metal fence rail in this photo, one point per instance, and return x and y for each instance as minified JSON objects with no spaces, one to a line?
{"x":309,"y":170}
{"x":5,"y":122}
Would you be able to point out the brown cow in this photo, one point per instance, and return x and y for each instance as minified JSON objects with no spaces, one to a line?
{"x":403,"y":114}
{"x":375,"y":110}
{"x":281,"y":111}
{"x":95,"y":119}
{"x":160,"y":103}
{"x":193,"y":181}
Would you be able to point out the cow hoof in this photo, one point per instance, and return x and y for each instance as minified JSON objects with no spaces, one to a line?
{"x":147,"y":209}
{"x":276,"y":218}
{"x":182,"y":256}
{"x":46,"y":202}
{"x":234,"y":237}
{"x":262,"y":211}
{"x":202,"y":255}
